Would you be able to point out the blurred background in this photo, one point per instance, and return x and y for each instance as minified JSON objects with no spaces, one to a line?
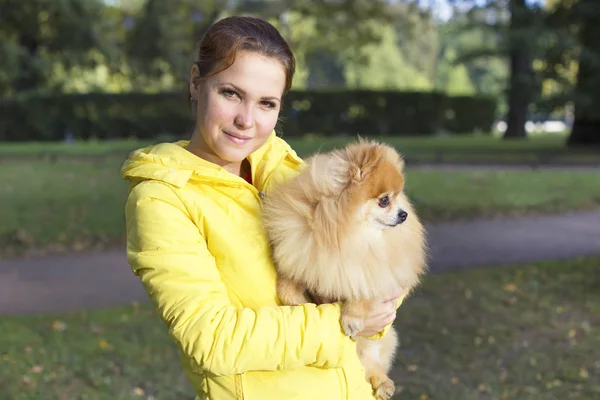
{"x":494,"y":104}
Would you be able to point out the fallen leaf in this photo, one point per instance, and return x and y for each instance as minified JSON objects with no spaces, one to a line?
{"x":26,"y":380}
{"x":510,"y":287}
{"x":423,"y":397}
{"x":27,"y":349}
{"x":560,"y":309}
{"x":477,"y":341}
{"x":96,"y":328}
{"x":79,"y":245}
{"x":5,"y":357}
{"x":491,"y":340}
{"x":454,"y":380}
{"x":572,"y":333}
{"x":412,"y":368}
{"x":36,"y":369}
{"x":481,"y":387}
{"x":59,"y":326}
{"x":138,"y":391}
{"x":104,"y":344}
{"x":445,"y":331}
{"x":583,"y":373}
{"x":539,"y":377}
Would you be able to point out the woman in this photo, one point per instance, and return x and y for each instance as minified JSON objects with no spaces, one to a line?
{"x":194,"y":235}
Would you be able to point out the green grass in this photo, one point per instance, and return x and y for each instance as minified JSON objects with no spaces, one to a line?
{"x":525,"y":332}
{"x":74,"y":205}
{"x":304,"y":145}
{"x":462,"y":148}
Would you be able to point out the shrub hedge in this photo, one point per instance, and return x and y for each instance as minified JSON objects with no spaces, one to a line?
{"x":103,"y":116}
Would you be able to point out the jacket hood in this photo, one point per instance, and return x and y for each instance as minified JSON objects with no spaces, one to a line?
{"x":173,"y":164}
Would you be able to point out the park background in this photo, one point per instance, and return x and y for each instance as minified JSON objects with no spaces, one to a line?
{"x":494,"y":104}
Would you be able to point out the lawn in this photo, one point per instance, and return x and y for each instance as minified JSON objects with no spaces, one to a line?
{"x":76,"y":205}
{"x":523,"y":332}
{"x":547,"y":148}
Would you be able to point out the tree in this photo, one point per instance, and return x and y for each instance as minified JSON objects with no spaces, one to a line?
{"x":453,"y":78}
{"x":516,"y":25}
{"x":520,"y":93}
{"x":163,"y":37}
{"x":586,"y":127}
{"x":36,"y":35}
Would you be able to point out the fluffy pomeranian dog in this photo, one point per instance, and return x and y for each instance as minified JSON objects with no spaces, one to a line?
{"x":344,"y":230}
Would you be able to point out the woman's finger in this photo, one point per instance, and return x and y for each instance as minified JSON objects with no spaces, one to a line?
{"x":394,"y":297}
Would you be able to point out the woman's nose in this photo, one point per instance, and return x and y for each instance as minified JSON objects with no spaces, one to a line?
{"x":245,"y":117}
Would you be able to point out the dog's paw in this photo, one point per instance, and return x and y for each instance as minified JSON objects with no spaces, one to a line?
{"x":385,"y":390}
{"x":294,"y":299}
{"x":352,"y":325}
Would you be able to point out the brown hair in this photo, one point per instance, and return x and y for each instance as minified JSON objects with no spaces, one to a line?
{"x":226,"y":37}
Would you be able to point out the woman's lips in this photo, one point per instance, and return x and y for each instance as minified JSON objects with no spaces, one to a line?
{"x":237,"y":139}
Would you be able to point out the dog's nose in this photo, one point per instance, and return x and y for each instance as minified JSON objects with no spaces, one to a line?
{"x":402,"y":215}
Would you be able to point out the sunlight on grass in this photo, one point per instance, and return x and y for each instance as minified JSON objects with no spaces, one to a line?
{"x":70,"y":205}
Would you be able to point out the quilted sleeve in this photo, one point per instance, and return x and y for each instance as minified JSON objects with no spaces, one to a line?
{"x":167,"y":252}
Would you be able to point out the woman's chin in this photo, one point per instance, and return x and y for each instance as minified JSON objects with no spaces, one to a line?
{"x":234,"y":156}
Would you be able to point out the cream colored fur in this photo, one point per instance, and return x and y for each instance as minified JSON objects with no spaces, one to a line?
{"x":329,"y":238}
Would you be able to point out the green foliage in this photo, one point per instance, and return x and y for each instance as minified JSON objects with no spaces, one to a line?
{"x":165,"y":33}
{"x":330,"y":112}
{"x":453,"y":78}
{"x":385,"y":66}
{"x":98,"y":115}
{"x":465,"y":45}
{"x":36,"y":35}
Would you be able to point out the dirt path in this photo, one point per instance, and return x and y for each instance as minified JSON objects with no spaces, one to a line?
{"x":81,"y":281}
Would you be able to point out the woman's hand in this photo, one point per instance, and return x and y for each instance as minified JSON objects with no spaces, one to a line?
{"x":382,"y":314}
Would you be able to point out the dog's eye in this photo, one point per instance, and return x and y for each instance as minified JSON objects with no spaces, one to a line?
{"x":384,"y":201}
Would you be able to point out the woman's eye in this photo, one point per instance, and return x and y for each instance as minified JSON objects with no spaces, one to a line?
{"x":228,"y":92}
{"x":384,"y":201}
{"x":269,"y":104}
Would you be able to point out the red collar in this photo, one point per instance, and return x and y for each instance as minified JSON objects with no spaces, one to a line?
{"x":248,"y":177}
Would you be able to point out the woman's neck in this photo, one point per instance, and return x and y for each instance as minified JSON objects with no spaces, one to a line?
{"x":199,"y":148}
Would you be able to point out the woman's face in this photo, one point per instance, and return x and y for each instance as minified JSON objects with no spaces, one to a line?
{"x":237,"y":109}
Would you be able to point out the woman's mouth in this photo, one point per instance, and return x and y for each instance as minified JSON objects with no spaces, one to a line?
{"x":237,"y":139}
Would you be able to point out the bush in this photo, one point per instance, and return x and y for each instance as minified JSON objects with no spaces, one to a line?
{"x":333,"y":112}
{"x":102,"y":116}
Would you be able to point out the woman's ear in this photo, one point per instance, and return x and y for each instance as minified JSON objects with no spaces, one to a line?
{"x":194,"y":82}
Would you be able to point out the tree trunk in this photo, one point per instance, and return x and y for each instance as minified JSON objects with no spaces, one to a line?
{"x":521,"y":71}
{"x":586,"y":128}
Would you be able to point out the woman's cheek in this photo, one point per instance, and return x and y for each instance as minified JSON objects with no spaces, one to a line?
{"x":267,"y":121}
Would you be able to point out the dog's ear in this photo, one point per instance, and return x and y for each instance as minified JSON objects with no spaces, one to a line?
{"x":363,"y":159}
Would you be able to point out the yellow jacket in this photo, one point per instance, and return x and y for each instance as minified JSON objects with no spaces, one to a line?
{"x":195,"y":239}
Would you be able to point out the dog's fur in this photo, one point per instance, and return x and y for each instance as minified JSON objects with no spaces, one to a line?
{"x":334,"y":235}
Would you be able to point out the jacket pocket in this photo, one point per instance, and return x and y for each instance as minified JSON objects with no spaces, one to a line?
{"x":297,"y":384}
